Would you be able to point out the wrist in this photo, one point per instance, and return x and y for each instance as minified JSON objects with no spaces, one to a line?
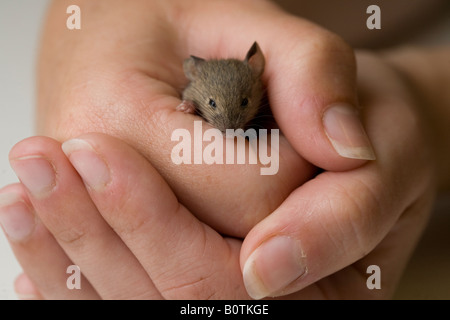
{"x":427,"y":71}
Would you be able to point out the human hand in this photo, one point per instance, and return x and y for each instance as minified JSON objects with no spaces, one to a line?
{"x":317,"y":150}
{"x":324,"y":235}
{"x":321,"y":240}
{"x":128,"y":83}
{"x":122,"y":225}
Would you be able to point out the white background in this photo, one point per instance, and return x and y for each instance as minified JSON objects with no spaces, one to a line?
{"x":427,"y":275}
{"x":20,"y":22}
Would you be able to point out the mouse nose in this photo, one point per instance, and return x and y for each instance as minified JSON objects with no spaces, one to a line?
{"x":222,"y":127}
{"x":223,"y":124}
{"x":238,"y":125}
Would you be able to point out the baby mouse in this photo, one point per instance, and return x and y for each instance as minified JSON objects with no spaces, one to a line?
{"x":226,"y":93}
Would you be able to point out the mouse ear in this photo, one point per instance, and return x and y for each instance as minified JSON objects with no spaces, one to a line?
{"x":255,"y":59}
{"x":191,"y":67}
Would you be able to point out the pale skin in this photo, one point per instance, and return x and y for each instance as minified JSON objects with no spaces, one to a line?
{"x":161,"y":226}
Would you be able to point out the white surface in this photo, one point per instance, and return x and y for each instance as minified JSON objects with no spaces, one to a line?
{"x":20,"y":22}
{"x":427,"y":275}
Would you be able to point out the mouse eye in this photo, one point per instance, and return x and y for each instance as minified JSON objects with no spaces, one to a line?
{"x":244,"y":102}
{"x":212,"y":103}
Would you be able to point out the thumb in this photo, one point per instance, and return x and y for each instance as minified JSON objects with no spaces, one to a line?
{"x":310,"y":75}
{"x":320,"y":229}
{"x":313,"y":96}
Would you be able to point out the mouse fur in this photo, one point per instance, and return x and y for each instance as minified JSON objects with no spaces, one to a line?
{"x":227,"y":92}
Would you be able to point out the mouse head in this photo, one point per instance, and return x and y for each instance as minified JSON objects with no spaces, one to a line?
{"x":227,"y":93}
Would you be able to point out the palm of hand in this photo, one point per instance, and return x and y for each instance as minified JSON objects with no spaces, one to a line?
{"x":135,"y":101}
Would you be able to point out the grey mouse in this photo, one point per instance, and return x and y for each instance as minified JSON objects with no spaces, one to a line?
{"x":227,"y":93}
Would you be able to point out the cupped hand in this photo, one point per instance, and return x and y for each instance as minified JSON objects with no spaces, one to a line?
{"x":121,"y":223}
{"x":116,"y":219}
{"x":321,"y":241}
{"x":121,"y":74}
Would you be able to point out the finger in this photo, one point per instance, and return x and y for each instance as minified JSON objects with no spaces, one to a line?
{"x":185,"y":258}
{"x":40,"y":256}
{"x":310,"y":75}
{"x":62,"y":203}
{"x":393,"y":253}
{"x":26,"y":289}
{"x":385,"y":263}
{"x":338,"y":218}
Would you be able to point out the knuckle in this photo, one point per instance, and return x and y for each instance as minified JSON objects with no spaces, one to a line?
{"x":364,"y":218}
{"x":71,"y":236}
{"x":330,"y":50}
{"x":199,"y":288}
{"x":358,"y":219}
{"x":330,"y":43}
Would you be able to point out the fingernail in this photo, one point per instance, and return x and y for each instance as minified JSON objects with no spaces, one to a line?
{"x":346,"y":132}
{"x":15,"y":217}
{"x":274,"y":265}
{"x":87,"y":162}
{"x":36,"y":173}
